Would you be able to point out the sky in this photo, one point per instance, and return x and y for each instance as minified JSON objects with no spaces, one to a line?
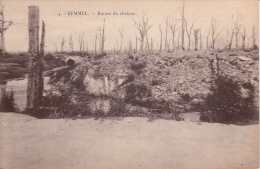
{"x":64,"y":25}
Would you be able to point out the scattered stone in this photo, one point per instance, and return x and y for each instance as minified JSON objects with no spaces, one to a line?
{"x":242,"y":58}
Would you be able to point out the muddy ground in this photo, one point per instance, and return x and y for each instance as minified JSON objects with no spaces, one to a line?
{"x":27,"y":142}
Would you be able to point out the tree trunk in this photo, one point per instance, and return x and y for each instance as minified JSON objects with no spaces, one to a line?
{"x":103,"y":38}
{"x":34,"y":88}
{"x":244,"y":39}
{"x":189,"y":41}
{"x":207,"y":43}
{"x":253,"y":38}
{"x":236,"y":40}
{"x":136,"y":44}
{"x":200,"y":41}
{"x":196,"y":40}
{"x":179,"y":38}
{"x":173,"y":34}
{"x":121,"y":44}
{"x":183,"y":29}
{"x":213,"y":40}
{"x":142,"y":44}
{"x":166,"y":30}
{"x":147,"y":41}
{"x":161,"y":38}
{"x":2,"y":46}
{"x":41,"y":67}
{"x":230,"y":44}
{"x":96,"y":44}
{"x":151,"y":45}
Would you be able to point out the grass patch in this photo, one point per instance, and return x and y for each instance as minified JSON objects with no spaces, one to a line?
{"x":7,"y":102}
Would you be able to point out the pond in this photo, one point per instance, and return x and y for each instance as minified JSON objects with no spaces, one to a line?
{"x":19,"y":87}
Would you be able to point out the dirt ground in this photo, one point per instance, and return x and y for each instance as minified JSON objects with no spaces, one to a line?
{"x":30,"y":143}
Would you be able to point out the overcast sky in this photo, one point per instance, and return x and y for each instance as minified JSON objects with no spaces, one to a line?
{"x":58,"y":27}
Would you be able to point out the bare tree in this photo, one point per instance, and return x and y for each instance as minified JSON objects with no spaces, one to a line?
{"x":117,"y":46}
{"x":243,"y":35}
{"x":35,"y":66}
{"x":253,"y":37}
{"x":183,"y":26}
{"x":166,"y":31}
{"x":152,"y":41}
{"x":168,"y":45}
{"x":207,"y":40}
{"x":235,"y":31}
{"x":214,"y":32}
{"x":179,"y":38}
{"x":100,"y":39}
{"x":196,"y":33}
{"x":121,"y":37}
{"x":227,"y":39}
{"x":41,"y":67}
{"x":83,"y":48}
{"x":62,"y":44}
{"x":147,"y":43}
{"x":96,"y":37}
{"x":136,"y":43}
{"x":174,"y":29}
{"x":130,"y":47}
{"x":143,"y":28}
{"x":56,"y":47}
{"x":230,"y":42}
{"x":200,"y":41}
{"x":114,"y":49}
{"x":103,"y":37}
{"x":161,"y":39}
{"x":81,"y":42}
{"x":4,"y":25}
{"x":189,"y":28}
{"x":71,"y":43}
{"x":248,"y":39}
{"x":87,"y":46}
{"x":236,"y":28}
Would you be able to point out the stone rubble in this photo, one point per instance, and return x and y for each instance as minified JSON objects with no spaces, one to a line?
{"x":169,"y":76}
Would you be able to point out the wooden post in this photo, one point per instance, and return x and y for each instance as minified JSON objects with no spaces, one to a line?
{"x":35,"y":67}
{"x":106,"y":84}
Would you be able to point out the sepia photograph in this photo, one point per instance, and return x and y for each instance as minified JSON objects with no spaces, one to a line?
{"x":121,"y":84}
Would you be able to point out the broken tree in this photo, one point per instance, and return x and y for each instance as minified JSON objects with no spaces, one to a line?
{"x":102,"y":37}
{"x":196,"y":32}
{"x":121,"y":37}
{"x":173,"y":27}
{"x":214,"y":33}
{"x":142,"y":27}
{"x":4,"y":25}
{"x":35,"y":75}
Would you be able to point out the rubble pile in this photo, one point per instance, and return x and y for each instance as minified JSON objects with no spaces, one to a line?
{"x":114,"y":65}
{"x":171,"y":76}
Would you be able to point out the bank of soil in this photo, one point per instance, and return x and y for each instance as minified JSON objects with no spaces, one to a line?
{"x":27,"y":142}
{"x":15,"y":65}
